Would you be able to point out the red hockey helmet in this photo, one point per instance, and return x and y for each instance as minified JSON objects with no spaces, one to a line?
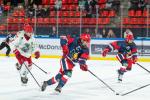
{"x":28,"y":28}
{"x":129,"y":38}
{"x":85,"y":37}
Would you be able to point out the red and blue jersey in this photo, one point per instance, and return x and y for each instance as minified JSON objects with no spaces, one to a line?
{"x":128,"y":49}
{"x":77,"y":52}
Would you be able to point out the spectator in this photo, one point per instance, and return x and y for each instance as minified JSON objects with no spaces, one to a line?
{"x":46,"y":11}
{"x":96,"y":34}
{"x":104,"y":34}
{"x":58,"y":5}
{"x":134,"y":5}
{"x":111,"y":34}
{"x":116,"y":5}
{"x":83,"y":4}
{"x":142,"y":5}
{"x":54,"y":32}
{"x":31,"y":10}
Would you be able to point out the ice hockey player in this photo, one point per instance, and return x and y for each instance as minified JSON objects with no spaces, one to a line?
{"x":126,"y":54}
{"x":75,"y":50}
{"x":23,"y":47}
{"x":5,"y":43}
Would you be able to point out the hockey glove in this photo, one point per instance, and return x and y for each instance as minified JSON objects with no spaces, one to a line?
{"x":84,"y":67}
{"x":65,"y":50}
{"x":105,"y":51}
{"x":37,"y":54}
{"x":134,"y":60}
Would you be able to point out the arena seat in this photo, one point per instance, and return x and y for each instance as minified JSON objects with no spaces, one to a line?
{"x":138,"y":13}
{"x":131,"y":13}
{"x":145,"y":13}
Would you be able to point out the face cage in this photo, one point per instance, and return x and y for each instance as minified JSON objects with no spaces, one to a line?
{"x":85,"y":43}
{"x":29,"y":34}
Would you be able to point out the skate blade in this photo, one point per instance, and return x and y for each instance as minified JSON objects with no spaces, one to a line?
{"x":55,"y":93}
{"x":22,"y":84}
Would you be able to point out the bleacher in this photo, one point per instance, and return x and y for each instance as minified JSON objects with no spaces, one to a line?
{"x":70,"y":15}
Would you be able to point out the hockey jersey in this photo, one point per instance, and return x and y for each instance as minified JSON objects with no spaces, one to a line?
{"x":24,"y":46}
{"x":77,"y":53}
{"x":128,"y":49}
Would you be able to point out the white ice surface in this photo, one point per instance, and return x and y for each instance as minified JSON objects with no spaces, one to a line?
{"x":81,"y":86}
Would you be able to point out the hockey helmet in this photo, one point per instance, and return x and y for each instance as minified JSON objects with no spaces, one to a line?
{"x":129,"y":38}
{"x":28,"y":28}
{"x":85,"y":39}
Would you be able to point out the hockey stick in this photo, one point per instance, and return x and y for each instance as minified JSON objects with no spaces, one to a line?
{"x":134,"y":90}
{"x":143,"y":67}
{"x":40,"y":68}
{"x":103,"y":82}
{"x":32,"y":75}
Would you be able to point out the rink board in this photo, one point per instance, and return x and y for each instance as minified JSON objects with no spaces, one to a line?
{"x":50,"y":48}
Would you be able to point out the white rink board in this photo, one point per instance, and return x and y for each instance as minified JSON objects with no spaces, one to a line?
{"x":49,"y":46}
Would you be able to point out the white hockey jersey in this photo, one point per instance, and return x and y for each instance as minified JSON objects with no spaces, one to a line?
{"x":25,"y":47}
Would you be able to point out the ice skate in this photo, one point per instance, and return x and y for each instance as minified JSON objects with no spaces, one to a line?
{"x":18,"y":67}
{"x":120,"y":75}
{"x":24,"y":80}
{"x":58,"y":89}
{"x":44,"y":85}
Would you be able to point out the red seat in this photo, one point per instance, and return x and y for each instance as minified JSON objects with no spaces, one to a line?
{"x":77,"y":14}
{"x":112,"y":13}
{"x":2,"y":27}
{"x":60,"y":13}
{"x":106,"y":20}
{"x":52,"y":2}
{"x":92,"y":21}
{"x":99,"y":20}
{"x":85,"y":21}
{"x":9,"y":20}
{"x":131,"y":13}
{"x":60,"y":21}
{"x":145,"y":13}
{"x":102,"y":1}
{"x":40,"y":20}
{"x":66,"y":21}
{"x":104,"y":13}
{"x":65,"y":13}
{"x":142,"y":21}
{"x":133,"y":21}
{"x":15,"y":27}
{"x":75,"y":1}
{"x":72,"y":7}
{"x":21,"y":20}
{"x":52,"y":13}
{"x":45,"y":2}
{"x":27,"y":20}
{"x":72,"y":14}
{"x":125,"y":21}
{"x":46,"y":20}
{"x":15,"y":20}
{"x":138,"y":13}
{"x":33,"y":20}
{"x":52,"y":21}
{"x":64,"y":7}
{"x":21,"y":14}
{"x":102,"y":6}
{"x":64,"y":1}
{"x":15,"y":13}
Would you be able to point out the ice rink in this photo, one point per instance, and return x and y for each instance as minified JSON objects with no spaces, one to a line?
{"x":82,"y":85}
